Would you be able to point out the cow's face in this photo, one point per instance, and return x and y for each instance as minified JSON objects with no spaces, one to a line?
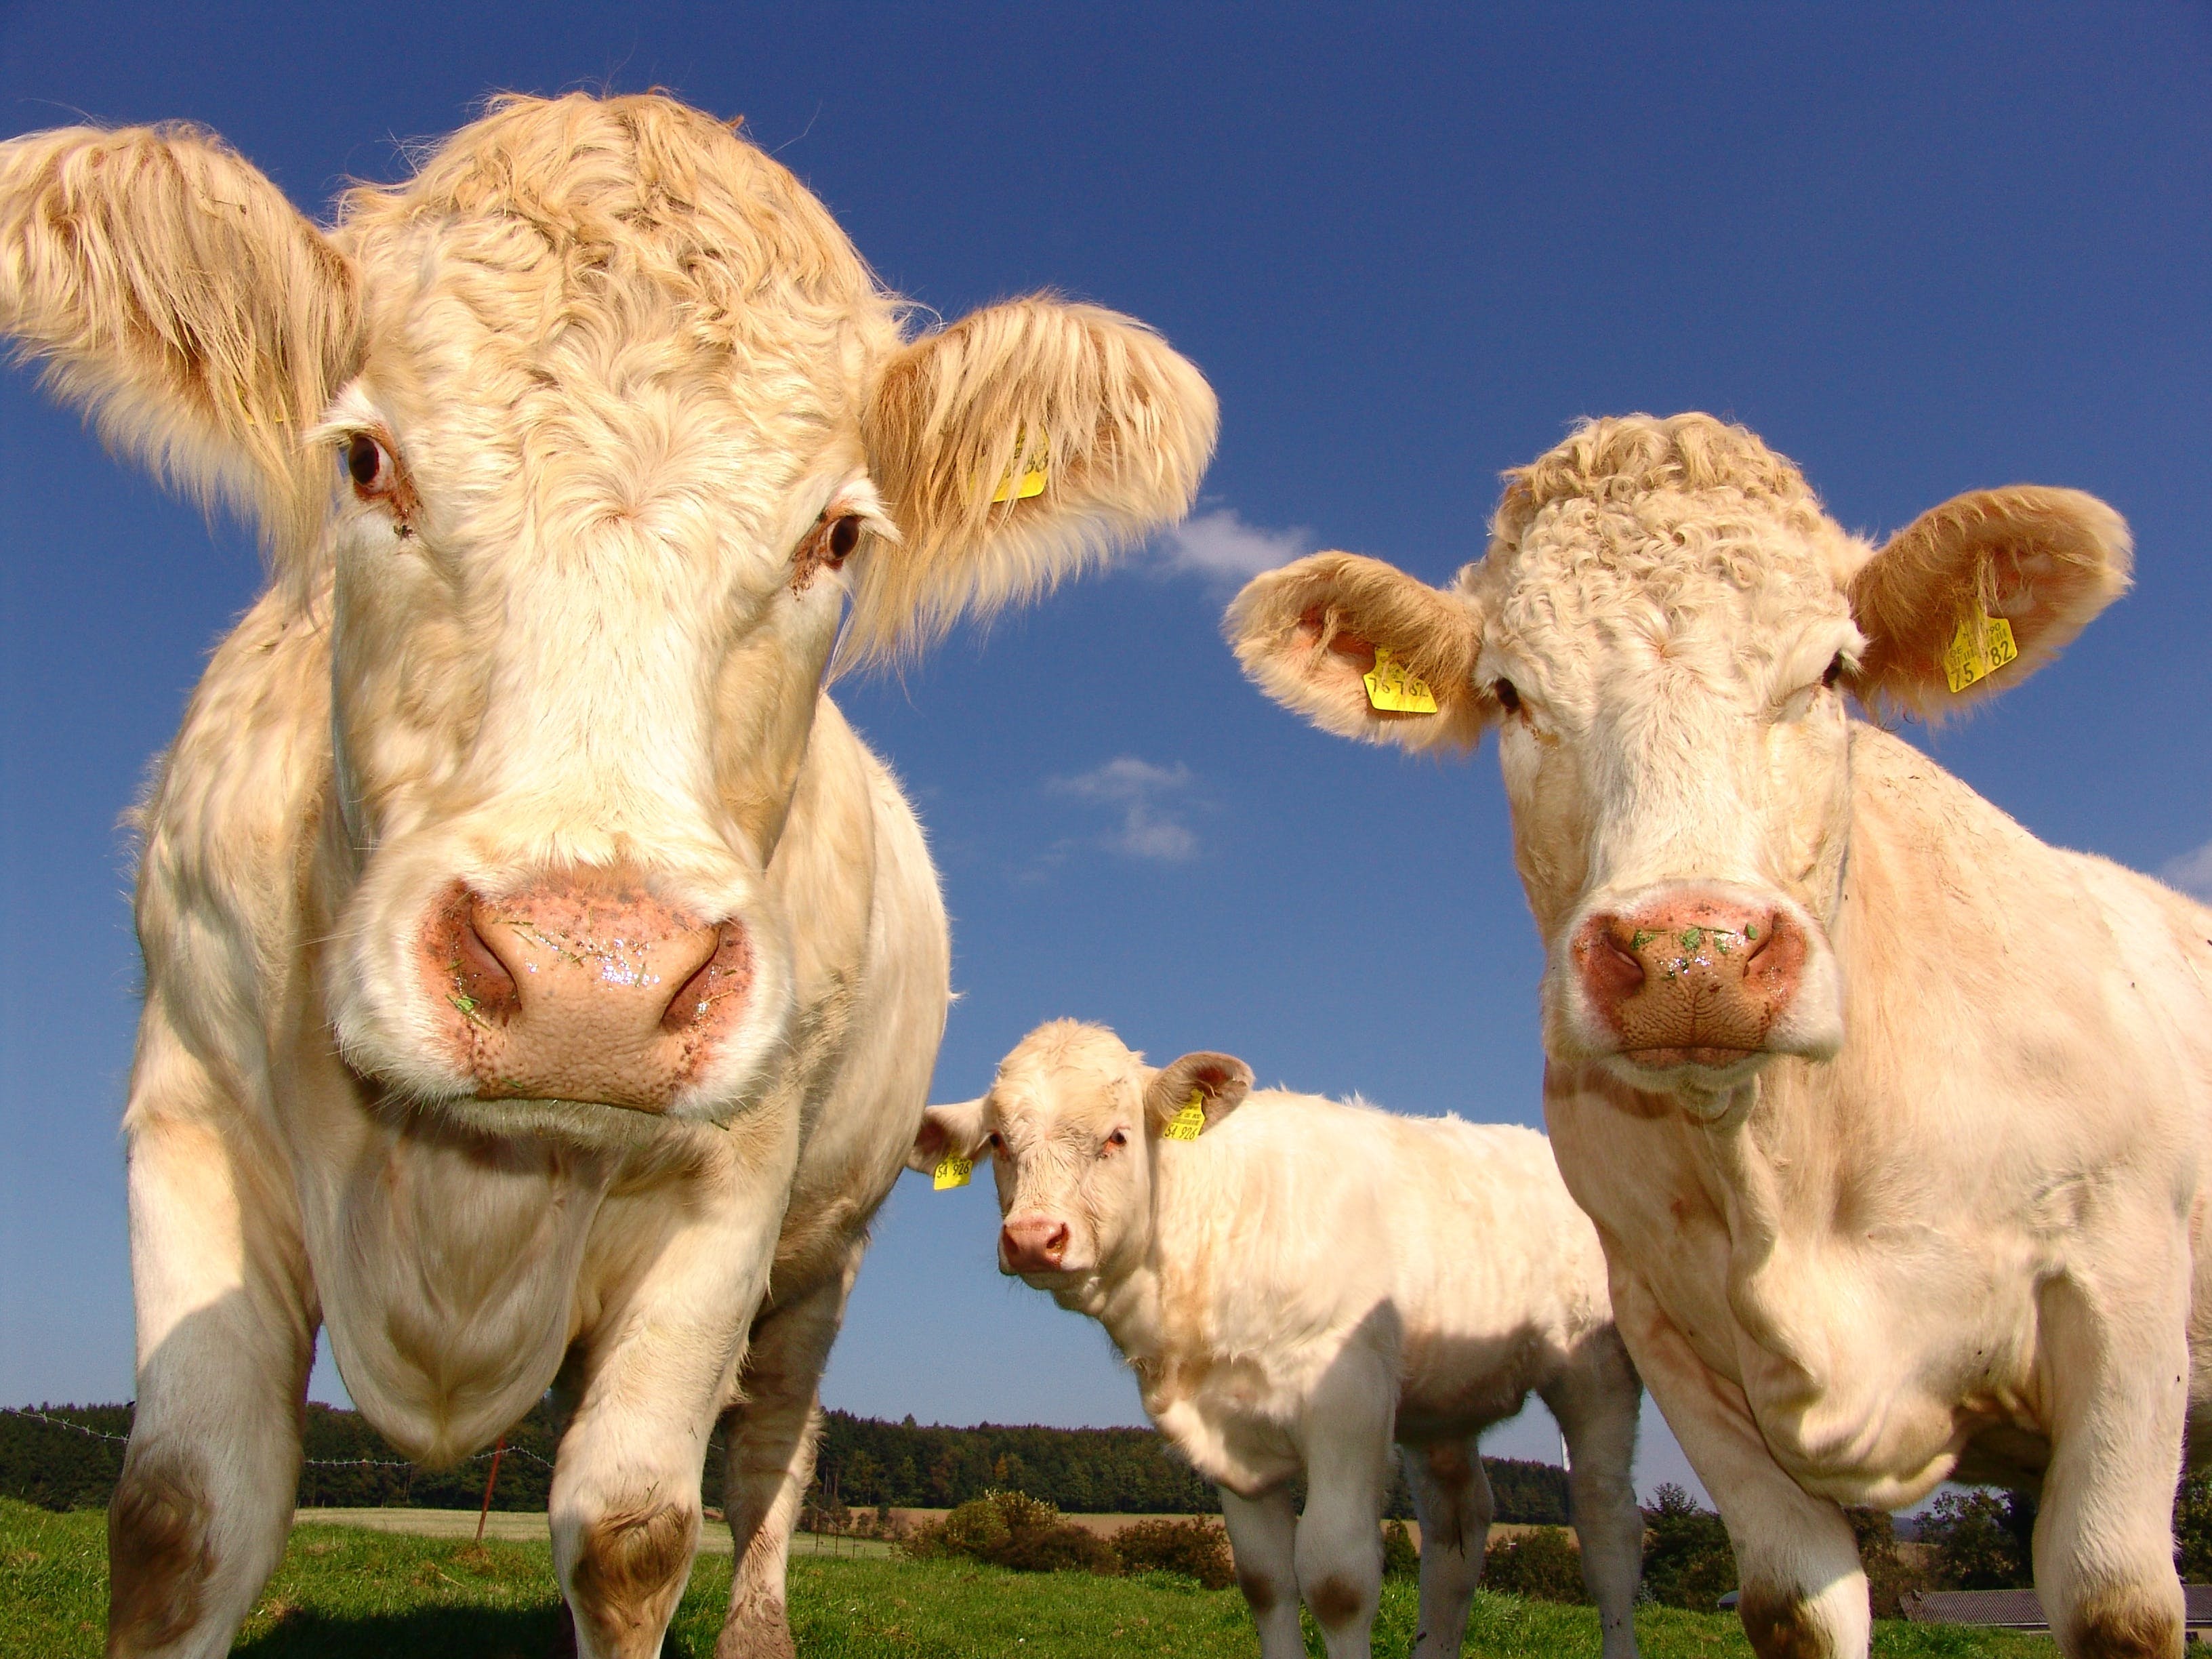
{"x":612,"y":430}
{"x":1073,"y":1126}
{"x":1663,"y":632}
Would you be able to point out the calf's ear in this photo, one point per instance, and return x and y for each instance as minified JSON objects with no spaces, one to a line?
{"x":947,"y":1131}
{"x":1215,"y":1082}
{"x":2044,"y":561}
{"x":1013,"y":449}
{"x":175,"y":295}
{"x":1309,"y":635}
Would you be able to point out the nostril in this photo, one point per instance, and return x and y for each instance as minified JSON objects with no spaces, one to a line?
{"x":481,"y":977}
{"x":1761,"y":934}
{"x":1056,"y":1245}
{"x":726,"y":973}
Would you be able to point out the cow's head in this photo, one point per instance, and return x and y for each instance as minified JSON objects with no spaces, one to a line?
{"x":1072,"y":1125}
{"x":1663,"y":631}
{"x":581,"y":444}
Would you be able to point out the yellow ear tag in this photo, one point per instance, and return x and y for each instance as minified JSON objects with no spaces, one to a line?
{"x":1982,"y":645}
{"x":952,"y":1172}
{"x":1034,"y":475}
{"x":1394,"y":692}
{"x":1186,"y":1124}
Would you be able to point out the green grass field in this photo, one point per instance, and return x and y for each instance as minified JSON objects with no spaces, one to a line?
{"x":346,"y":1594}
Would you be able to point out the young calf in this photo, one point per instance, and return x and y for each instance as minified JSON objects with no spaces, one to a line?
{"x":1298,"y":1286}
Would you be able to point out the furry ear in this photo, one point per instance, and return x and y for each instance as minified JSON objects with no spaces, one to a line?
{"x":1082,"y":423}
{"x":1218,"y":1082}
{"x":174,"y":294}
{"x":2046,"y":561}
{"x":954,"y":1131}
{"x":1308,"y":634}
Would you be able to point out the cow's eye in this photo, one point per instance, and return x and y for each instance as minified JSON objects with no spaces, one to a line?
{"x":992,"y":1141}
{"x":844,"y":536}
{"x":1508,"y":694}
{"x":1835,"y":671}
{"x":1118,"y":1137}
{"x":367,"y":465}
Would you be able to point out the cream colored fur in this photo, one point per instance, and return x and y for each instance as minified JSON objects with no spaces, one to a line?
{"x":621,"y":374}
{"x":1306,"y":1282}
{"x":1947,"y":1227}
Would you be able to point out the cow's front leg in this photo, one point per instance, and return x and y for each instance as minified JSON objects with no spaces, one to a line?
{"x":685,"y":1276}
{"x":1797,"y":1562}
{"x":1452,"y":1496}
{"x":226,"y":1333}
{"x":770,"y":1461}
{"x":2116,"y":1362}
{"x":1348,"y":1425}
{"x":1597,"y":1399}
{"x":1263,"y":1533}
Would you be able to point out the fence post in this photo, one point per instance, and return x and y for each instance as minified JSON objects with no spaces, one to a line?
{"x":498,"y":1446}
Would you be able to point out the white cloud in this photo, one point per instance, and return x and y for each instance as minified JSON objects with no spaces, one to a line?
{"x":1221,"y":547}
{"x":1139,"y":792}
{"x":2192,"y":872}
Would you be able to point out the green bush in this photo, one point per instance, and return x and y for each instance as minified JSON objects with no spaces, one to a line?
{"x":1980,"y":1540}
{"x":1012,"y":1529}
{"x":1687,"y":1562}
{"x":1890,"y":1578}
{"x":1400,"y":1558}
{"x":1538,"y":1566}
{"x":1197,"y":1549}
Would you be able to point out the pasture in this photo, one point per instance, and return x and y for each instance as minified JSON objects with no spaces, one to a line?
{"x":345,"y":1592}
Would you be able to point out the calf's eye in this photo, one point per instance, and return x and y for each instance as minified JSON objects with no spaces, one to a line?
{"x":365,"y":464}
{"x":844,"y":537}
{"x":1118,"y":1137}
{"x":1508,"y":694}
{"x":992,"y":1141}
{"x":1835,"y":671}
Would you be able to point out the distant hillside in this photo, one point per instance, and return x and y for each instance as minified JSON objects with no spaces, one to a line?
{"x":64,"y":1457}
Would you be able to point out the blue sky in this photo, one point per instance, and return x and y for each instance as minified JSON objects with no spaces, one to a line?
{"x":1921,"y":250}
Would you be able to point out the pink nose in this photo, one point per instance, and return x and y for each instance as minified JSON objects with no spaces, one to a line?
{"x":583,"y":986}
{"x":1690,"y":979}
{"x":1032,"y":1244}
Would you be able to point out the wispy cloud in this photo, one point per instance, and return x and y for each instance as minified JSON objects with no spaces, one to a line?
{"x":2191,"y":873}
{"x":1220,"y":547}
{"x":1147,"y":798}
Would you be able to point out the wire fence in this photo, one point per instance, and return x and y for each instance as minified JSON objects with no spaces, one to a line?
{"x":309,"y":1462}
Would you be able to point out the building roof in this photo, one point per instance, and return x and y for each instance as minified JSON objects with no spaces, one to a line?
{"x":2021,"y":1609}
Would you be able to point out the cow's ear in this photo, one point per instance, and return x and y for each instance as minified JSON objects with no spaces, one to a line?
{"x":948,"y":1131}
{"x":175,"y":295}
{"x":2041,"y":561}
{"x":1312,"y":635}
{"x":1214,"y":1083}
{"x":1012,"y":449}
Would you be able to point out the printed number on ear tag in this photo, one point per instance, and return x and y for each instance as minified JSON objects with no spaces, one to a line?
{"x":1982,"y":645}
{"x":1394,"y":692}
{"x":952,"y":1172}
{"x":1035,"y":472}
{"x":1186,"y":1124}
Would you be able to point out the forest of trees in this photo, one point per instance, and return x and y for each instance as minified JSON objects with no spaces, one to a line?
{"x":63,"y":1457}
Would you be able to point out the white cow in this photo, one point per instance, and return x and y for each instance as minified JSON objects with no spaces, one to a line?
{"x":1301,"y":1284}
{"x":1889,"y":1115}
{"x":541,"y":979}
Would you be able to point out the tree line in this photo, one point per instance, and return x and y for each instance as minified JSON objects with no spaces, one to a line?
{"x":64,"y":1457}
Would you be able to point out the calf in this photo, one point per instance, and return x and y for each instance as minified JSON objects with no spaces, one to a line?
{"x":1297,"y":1284}
{"x":1887,"y":1198}
{"x":541,"y":979}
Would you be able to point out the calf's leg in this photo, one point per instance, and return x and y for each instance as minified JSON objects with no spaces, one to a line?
{"x":1263,"y":1533}
{"x":1596,"y":1399}
{"x":2117,"y":1366}
{"x":1347,"y":1431}
{"x":1804,"y":1593}
{"x":226,"y":1331}
{"x":1452,"y":1496}
{"x":770,"y":1461}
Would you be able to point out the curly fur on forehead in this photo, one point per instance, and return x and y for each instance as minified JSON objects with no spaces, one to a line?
{"x":1066,"y":1049}
{"x":1648,"y":524}
{"x":576,"y":216}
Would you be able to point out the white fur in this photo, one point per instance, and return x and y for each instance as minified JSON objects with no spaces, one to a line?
{"x":1308,"y":1281}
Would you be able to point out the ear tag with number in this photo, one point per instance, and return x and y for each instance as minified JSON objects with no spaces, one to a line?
{"x":1394,"y":692}
{"x":952,"y":1172}
{"x":1186,"y":1124}
{"x":1982,"y":645}
{"x":1036,"y":471}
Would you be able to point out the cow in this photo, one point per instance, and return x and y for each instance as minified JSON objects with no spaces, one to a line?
{"x":1886,"y":1201}
{"x":1299,"y":1282}
{"x":542,"y":979}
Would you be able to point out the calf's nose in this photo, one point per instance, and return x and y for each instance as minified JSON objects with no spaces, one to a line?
{"x":1689,"y":978}
{"x":1032,"y":1244}
{"x":584,"y":986}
